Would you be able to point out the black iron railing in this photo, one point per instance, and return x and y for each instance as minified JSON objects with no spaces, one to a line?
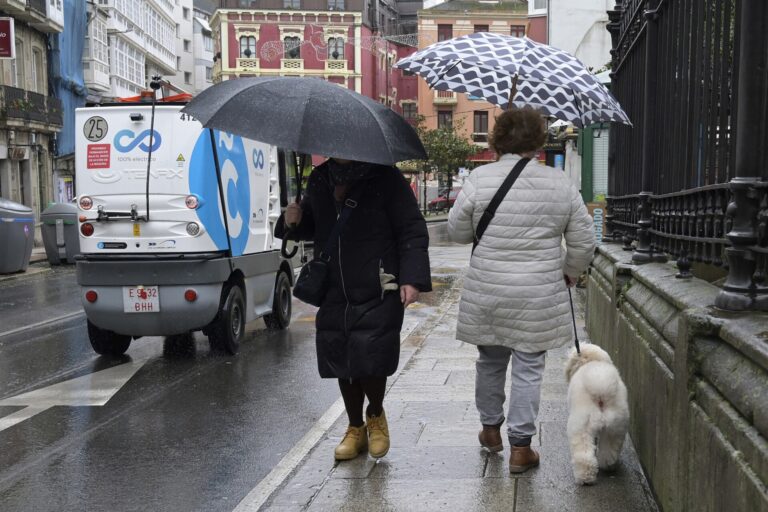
{"x":30,"y":106}
{"x":689,"y":178}
{"x":37,"y":5}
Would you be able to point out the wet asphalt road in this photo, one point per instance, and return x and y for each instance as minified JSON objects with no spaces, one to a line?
{"x":189,"y":430}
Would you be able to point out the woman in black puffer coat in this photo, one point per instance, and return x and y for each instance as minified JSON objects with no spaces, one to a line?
{"x":380,"y":266}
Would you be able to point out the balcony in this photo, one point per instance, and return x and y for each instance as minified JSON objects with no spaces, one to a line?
{"x":480,"y":139}
{"x":445,"y":98}
{"x":37,"y":13}
{"x":292,"y":64}
{"x":245,"y":65}
{"x":337,"y":65}
{"x":22,"y":108}
{"x":96,"y":75}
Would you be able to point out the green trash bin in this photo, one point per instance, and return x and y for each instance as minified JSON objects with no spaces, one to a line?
{"x":60,"y":237}
{"x":17,"y":235}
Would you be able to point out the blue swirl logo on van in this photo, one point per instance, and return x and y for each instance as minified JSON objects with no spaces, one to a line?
{"x":235,"y":180}
{"x":258,"y":158}
{"x":136,"y":140}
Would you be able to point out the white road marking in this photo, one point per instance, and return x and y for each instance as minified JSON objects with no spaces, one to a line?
{"x":42,"y":323}
{"x":261,"y":493}
{"x":94,"y":389}
{"x":19,"y":416}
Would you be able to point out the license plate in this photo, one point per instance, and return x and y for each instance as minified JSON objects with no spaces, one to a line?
{"x":141,"y":299}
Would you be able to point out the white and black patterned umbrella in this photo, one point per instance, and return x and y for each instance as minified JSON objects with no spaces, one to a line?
{"x":490,"y":65}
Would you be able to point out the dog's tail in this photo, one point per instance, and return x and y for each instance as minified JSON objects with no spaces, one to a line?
{"x":601,"y":383}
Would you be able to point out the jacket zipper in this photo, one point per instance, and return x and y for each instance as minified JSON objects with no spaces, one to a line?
{"x":341,"y":272}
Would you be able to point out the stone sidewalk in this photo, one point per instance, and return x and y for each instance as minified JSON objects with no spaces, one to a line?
{"x":435,"y":462}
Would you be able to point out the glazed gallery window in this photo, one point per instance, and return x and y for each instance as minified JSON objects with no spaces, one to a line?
{"x":335,"y":5}
{"x":444,"y":32}
{"x":247,"y":47}
{"x":292,"y":47}
{"x":336,"y":48}
{"x":291,"y":4}
{"x":444,"y":119}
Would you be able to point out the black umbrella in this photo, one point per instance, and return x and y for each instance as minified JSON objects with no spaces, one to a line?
{"x":310,"y":116}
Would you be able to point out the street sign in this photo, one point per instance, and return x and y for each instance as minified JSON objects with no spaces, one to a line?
{"x":7,"y":39}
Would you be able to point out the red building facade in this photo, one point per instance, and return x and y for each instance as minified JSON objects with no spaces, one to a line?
{"x":330,"y":44}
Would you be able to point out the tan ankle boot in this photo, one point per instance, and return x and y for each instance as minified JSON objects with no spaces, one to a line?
{"x":522,"y":458}
{"x":353,"y":444}
{"x":378,"y":435}
{"x":490,"y":438}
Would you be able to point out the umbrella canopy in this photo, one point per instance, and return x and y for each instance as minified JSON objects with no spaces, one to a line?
{"x":490,"y":65}
{"x":308,"y":115}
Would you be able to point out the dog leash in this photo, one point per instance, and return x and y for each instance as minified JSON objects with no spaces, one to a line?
{"x":573,"y":317}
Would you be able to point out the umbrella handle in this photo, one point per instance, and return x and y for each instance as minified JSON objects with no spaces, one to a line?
{"x":284,"y":249}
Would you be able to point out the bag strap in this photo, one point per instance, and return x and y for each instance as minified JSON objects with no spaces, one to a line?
{"x":490,"y":210}
{"x":346,"y":211}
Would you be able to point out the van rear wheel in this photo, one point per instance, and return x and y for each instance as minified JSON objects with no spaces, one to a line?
{"x":280,"y":317}
{"x":226,"y":331}
{"x":107,"y":343}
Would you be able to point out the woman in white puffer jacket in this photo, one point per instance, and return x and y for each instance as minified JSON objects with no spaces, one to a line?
{"x":514,"y":303}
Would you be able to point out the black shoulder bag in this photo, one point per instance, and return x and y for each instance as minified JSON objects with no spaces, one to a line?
{"x":312,"y":284}
{"x":490,"y":211}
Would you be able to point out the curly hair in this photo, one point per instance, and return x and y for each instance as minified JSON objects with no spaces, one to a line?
{"x":518,"y":131}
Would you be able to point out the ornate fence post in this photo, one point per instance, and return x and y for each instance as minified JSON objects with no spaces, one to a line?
{"x":741,"y":291}
{"x":644,"y":252}
{"x":614,"y":26}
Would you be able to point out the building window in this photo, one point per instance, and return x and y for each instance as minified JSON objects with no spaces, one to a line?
{"x":208,"y":43}
{"x":18,"y":63}
{"x":336,"y":48}
{"x":409,"y":111}
{"x":185,"y":10}
{"x":187,"y":45}
{"x":187,"y":77}
{"x":481,"y":28}
{"x":129,"y":64}
{"x":539,"y":5}
{"x":98,"y":50}
{"x":37,"y":70}
{"x":178,"y":63}
{"x":335,"y":5}
{"x":208,"y":73}
{"x":481,"y":121}
{"x":247,"y":47}
{"x":408,"y":73}
{"x":292,"y":4}
{"x":292,"y":47}
{"x":517,"y":30}
{"x":178,"y":31}
{"x":444,"y":32}
{"x":444,"y":119}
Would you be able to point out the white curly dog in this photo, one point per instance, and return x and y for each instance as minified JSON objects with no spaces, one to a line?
{"x":598,"y":412}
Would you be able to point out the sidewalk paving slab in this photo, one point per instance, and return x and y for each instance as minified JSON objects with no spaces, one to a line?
{"x":435,"y":461}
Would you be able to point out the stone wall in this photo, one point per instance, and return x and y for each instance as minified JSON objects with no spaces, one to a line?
{"x":697,"y":380}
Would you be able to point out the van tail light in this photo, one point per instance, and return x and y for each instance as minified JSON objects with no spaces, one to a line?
{"x":190,"y":295}
{"x":86,"y":229}
{"x":91,"y":296}
{"x":86,"y":203}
